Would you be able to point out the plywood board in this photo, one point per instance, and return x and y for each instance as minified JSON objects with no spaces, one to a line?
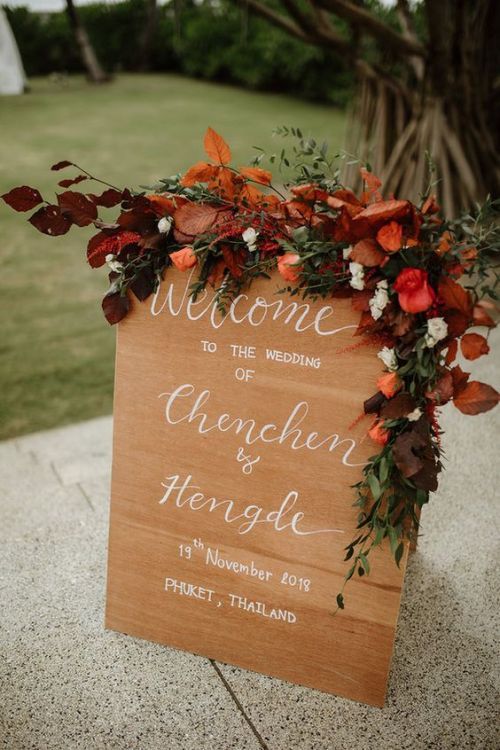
{"x":234,"y":456}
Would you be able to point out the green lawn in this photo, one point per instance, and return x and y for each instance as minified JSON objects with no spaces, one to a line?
{"x":56,"y":349}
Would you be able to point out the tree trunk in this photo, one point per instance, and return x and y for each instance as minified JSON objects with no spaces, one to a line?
{"x":447,"y":117}
{"x":147,"y":36}
{"x":89,"y":58}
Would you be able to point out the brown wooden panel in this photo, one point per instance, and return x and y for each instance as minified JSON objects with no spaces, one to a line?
{"x":216,"y":568}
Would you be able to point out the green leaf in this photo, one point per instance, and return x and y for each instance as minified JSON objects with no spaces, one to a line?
{"x":393,"y":539}
{"x":374,"y":485}
{"x":340,"y":601}
{"x":399,"y":553}
{"x":364,"y":562}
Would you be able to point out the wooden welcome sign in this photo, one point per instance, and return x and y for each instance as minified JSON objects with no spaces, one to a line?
{"x":234,"y":457}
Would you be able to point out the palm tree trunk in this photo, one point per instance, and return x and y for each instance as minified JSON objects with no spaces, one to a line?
{"x":95,"y":72}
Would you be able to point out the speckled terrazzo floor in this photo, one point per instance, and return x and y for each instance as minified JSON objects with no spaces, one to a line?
{"x":65,"y":683}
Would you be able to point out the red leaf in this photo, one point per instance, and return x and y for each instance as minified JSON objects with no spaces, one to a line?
{"x":78,"y":208}
{"x":61,"y":165}
{"x":360,"y":300}
{"x":452,"y":352}
{"x":398,"y":407}
{"x":367,"y":253}
{"x":476,"y":398}
{"x":193,"y":219}
{"x":455,"y":297}
{"x":108,"y":198}
{"x":443,"y":390}
{"x":474,"y":345}
{"x":460,"y":379}
{"x":457,"y":322}
{"x":22,"y":198}
{"x":74,"y":181}
{"x":216,"y":147}
{"x":115,"y":307}
{"x":49,"y":220}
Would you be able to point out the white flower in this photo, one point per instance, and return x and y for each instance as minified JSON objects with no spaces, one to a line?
{"x":414,"y":415}
{"x":437,"y":330}
{"x":113,"y":264}
{"x":164,"y":225}
{"x":250,"y":237}
{"x":388,"y":357}
{"x":346,"y":252}
{"x":358,"y":275}
{"x":379,"y":299}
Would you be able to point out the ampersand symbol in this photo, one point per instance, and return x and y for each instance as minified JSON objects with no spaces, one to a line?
{"x":248,"y":461}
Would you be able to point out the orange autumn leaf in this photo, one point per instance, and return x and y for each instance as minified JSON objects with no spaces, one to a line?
{"x":455,"y":297}
{"x":199,"y":172}
{"x":262,"y":176}
{"x":372,"y":181}
{"x":163,"y":204}
{"x":367,"y":253}
{"x":216,"y":147}
{"x":444,"y":243}
{"x":382,"y":212}
{"x":250,"y":195}
{"x":476,"y":398}
{"x":223,"y":182}
{"x":474,"y":345}
{"x":197,"y":218}
{"x":390,"y":236}
{"x":481,"y":317}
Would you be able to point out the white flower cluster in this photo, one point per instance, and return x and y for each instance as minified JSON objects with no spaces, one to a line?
{"x":164,"y":225}
{"x":437,"y":330}
{"x":358,"y":275}
{"x":113,"y":264}
{"x":379,"y":299}
{"x":388,"y":357}
{"x":250,"y":237}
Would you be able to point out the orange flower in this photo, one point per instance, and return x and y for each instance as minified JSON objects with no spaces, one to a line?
{"x":390,"y":236}
{"x":378,"y":434}
{"x":389,"y":383}
{"x":287,"y":267}
{"x":183,"y":259}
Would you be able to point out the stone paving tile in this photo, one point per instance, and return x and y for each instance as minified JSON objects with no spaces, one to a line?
{"x":65,"y":682}
{"x":445,"y":679}
{"x":93,"y":436}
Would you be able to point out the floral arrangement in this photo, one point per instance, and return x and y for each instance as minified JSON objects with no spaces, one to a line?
{"x":400,"y":264}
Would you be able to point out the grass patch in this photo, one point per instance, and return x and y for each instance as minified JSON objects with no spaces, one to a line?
{"x":56,"y":349}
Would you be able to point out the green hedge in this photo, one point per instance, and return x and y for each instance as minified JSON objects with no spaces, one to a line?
{"x":216,"y":42}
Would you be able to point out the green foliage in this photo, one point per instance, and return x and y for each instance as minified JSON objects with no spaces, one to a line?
{"x":211,"y":42}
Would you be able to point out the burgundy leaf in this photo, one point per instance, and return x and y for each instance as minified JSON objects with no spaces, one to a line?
{"x":108,"y":199}
{"x":74,"y":181}
{"x":115,"y":307}
{"x":49,"y":220}
{"x":398,"y":407}
{"x":23,"y":198}
{"x":78,"y":208}
{"x":61,"y":165}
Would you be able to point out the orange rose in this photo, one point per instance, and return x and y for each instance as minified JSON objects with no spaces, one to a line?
{"x":287,"y":267}
{"x":389,"y":383}
{"x":378,"y":433}
{"x":390,"y":236}
{"x":183,"y":259}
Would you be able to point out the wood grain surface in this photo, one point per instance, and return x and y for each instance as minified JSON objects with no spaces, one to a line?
{"x":234,"y":455}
